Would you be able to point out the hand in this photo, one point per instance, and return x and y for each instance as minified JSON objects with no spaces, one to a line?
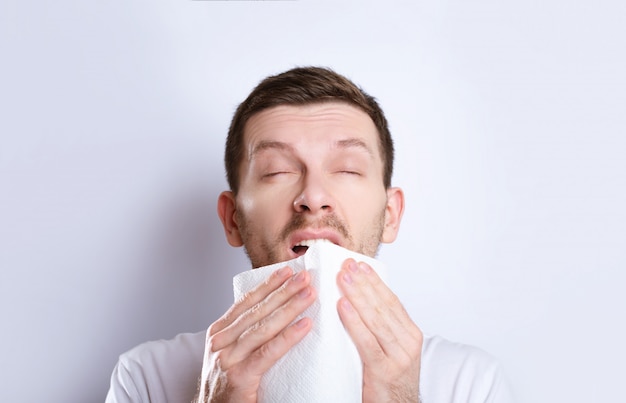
{"x":252,"y":335}
{"x":389,"y":343}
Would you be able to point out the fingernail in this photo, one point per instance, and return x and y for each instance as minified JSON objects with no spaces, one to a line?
{"x":282,"y":272}
{"x":347,"y":305}
{"x":299,"y":277}
{"x":304,"y":293}
{"x":347,"y":278}
{"x":365,"y":268}
{"x":353,"y":267}
{"x":301,"y":323}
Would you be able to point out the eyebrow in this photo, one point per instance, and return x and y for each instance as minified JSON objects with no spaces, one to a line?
{"x":352,"y":142}
{"x":268,"y":145}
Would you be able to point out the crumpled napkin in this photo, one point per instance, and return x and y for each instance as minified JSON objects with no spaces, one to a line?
{"x":325,"y":366}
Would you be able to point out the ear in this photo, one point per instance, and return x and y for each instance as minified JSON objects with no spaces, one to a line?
{"x":393,"y":214}
{"x":227,"y":211}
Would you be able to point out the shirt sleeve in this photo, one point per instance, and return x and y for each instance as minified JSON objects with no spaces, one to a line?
{"x":500,"y":390}
{"x":123,"y":388}
{"x":458,"y":373}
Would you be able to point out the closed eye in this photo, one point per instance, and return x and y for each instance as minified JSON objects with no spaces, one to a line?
{"x":270,"y":174}
{"x":276,"y":174}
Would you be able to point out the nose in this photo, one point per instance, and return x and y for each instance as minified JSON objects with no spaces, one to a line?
{"x":314,"y":198}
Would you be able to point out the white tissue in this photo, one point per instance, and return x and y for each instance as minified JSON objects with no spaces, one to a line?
{"x":325,"y":366}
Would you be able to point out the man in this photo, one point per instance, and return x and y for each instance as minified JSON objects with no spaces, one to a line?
{"x":309,"y":156}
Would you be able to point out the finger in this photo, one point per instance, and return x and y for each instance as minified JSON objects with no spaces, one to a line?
{"x":408,"y":335}
{"x":256,"y":314}
{"x":388,"y":299}
{"x":375,"y":289}
{"x":366,"y":343}
{"x":257,"y":294}
{"x":380,"y":310}
{"x":370,"y":306}
{"x":263,"y":358}
{"x":272,"y":325}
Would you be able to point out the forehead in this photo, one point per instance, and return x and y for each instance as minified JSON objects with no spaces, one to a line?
{"x":314,"y":123}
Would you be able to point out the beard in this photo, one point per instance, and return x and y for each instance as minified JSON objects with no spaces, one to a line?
{"x":262,"y":251}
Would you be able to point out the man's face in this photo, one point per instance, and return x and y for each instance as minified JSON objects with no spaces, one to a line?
{"x":310,"y":172}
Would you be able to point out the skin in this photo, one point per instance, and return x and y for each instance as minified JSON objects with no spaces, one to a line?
{"x":311,"y":172}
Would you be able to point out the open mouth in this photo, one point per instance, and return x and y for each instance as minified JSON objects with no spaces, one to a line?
{"x":301,"y":247}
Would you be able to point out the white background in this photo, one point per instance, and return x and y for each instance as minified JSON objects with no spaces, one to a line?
{"x":509,"y":121}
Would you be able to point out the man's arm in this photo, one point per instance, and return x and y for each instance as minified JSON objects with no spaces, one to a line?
{"x":252,"y":335}
{"x":389,"y":343}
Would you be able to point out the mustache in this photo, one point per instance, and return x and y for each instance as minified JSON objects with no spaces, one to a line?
{"x":328,"y":221}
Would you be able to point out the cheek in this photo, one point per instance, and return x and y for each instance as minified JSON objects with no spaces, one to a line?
{"x":361,"y":195}
{"x":246,"y":203}
{"x":263,"y":208}
{"x":360,"y":208}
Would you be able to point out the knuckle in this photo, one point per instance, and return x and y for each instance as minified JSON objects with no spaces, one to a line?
{"x":213,"y":329}
{"x":223,"y":321}
{"x":256,"y":309}
{"x":269,"y":284}
{"x":393,"y":300}
{"x":265,"y":352}
{"x":220,"y":360}
{"x":377,"y":354}
{"x":405,"y":361}
{"x":415,"y":353}
{"x":248,"y":296}
{"x":419,"y":336}
{"x":260,"y":330}
{"x":282,"y":290}
{"x":377,"y":321}
{"x":213,"y":343}
{"x":253,"y":313}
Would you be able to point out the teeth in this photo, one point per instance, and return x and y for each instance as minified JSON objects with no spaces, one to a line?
{"x":311,"y":242}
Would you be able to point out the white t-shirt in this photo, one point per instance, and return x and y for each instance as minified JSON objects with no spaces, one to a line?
{"x":168,"y":371}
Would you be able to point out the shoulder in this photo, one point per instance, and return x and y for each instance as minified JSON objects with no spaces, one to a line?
{"x":454,"y":372}
{"x":440,"y":352}
{"x":159,"y":370}
{"x":183,"y":347}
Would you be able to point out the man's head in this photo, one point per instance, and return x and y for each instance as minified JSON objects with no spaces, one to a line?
{"x":303,"y":86}
{"x":309,"y":156}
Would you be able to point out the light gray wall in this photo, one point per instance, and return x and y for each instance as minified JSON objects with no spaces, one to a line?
{"x":509,"y":122}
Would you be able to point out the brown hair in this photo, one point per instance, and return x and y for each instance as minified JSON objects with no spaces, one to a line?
{"x":302,"y":86}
